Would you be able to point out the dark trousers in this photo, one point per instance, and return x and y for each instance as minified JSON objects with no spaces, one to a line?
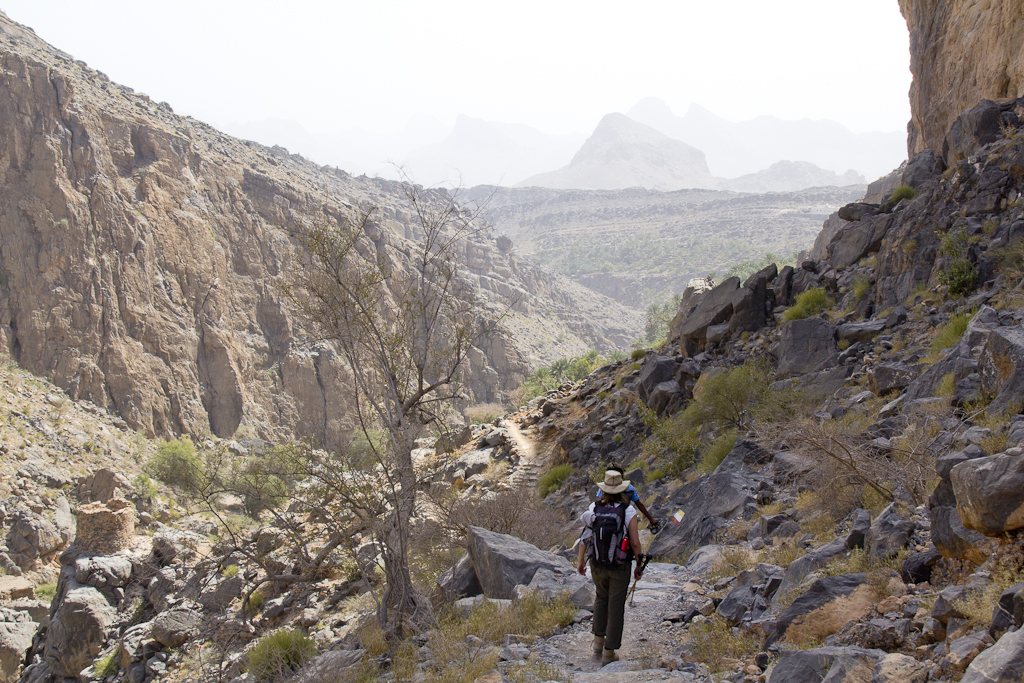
{"x":612,"y":584}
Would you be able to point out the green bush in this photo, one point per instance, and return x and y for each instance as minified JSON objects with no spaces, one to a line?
{"x":177,"y":465}
{"x":902,"y":192}
{"x":721,"y":400}
{"x":657,"y":474}
{"x":144,"y":488}
{"x":552,"y":480}
{"x":811,"y":302}
{"x":638,"y":354}
{"x":861,"y":286}
{"x":960,"y":276}
{"x":278,"y":654}
{"x":950,"y":333}
{"x":106,"y":666}
{"x":716,"y":452}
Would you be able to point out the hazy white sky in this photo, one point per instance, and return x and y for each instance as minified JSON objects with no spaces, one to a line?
{"x":558,"y":65}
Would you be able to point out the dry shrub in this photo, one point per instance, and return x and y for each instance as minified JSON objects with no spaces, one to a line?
{"x":516,"y":512}
{"x":783,"y":554}
{"x":732,"y":561}
{"x":482,"y":413}
{"x":712,"y":641}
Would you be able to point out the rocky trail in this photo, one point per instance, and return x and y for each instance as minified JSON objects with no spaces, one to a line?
{"x":532,"y":462}
{"x":652,"y":627}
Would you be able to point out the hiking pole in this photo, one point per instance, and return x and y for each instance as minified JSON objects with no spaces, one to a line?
{"x":642,"y":561}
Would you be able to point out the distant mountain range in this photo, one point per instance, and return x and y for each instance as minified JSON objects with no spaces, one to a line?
{"x":735,"y":149}
{"x":649,"y":147}
{"x":624,"y":153}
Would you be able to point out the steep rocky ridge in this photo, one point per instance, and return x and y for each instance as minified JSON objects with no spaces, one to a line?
{"x":139,"y":251}
{"x":960,"y":52}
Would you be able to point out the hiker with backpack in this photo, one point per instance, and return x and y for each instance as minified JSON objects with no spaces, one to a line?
{"x":634,"y":498}
{"x":610,"y":541}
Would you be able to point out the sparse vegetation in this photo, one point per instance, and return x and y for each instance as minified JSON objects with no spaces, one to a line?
{"x":552,"y":480}
{"x":902,"y":192}
{"x":484,"y":413}
{"x":278,"y":654}
{"x":716,"y":452}
{"x":712,"y":642}
{"x":909,"y":247}
{"x":950,"y":334}
{"x":861,"y":287}
{"x":106,"y":665}
{"x":809,"y":303}
{"x":960,"y":276}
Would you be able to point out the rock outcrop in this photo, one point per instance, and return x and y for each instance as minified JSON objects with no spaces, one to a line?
{"x":961,"y":52}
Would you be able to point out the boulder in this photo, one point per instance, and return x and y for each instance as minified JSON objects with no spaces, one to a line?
{"x":226,"y":592}
{"x":174,"y":626}
{"x":889,"y":533}
{"x":953,"y":540}
{"x":808,"y":666}
{"x":708,"y":503}
{"x":105,"y":528}
{"x":825,"y":607}
{"x":15,"y":587}
{"x":16,"y":632}
{"x":712,"y":308}
{"x":888,"y":377}
{"x":857,"y":211}
{"x":103,"y":572}
{"x":990,"y":493}
{"x":654,"y":371}
{"x":32,"y":538}
{"x":460,"y":581}
{"x":102,"y":485}
{"x":860,"y":332}
{"x":922,"y":167}
{"x":549,"y":584}
{"x":502,"y":562}
{"x":853,"y":241}
{"x":806,"y":345}
{"x":899,"y":668}
{"x":859,"y":528}
{"x":663,"y":395}
{"x":801,"y":567}
{"x":474,"y":462}
{"x":736,"y":604}
{"x":77,"y":631}
{"x":703,"y":559}
{"x":972,"y":129}
{"x":917,"y":568}
{"x":171,"y":544}
{"x":1001,"y":663}
{"x":1003,"y":614}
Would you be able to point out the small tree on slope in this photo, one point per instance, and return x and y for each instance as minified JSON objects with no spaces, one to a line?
{"x":405,"y":330}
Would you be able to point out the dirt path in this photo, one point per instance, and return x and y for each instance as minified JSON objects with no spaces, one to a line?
{"x":532,"y":459}
{"x":664,"y":591}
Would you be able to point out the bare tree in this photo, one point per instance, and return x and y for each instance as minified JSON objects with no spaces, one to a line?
{"x":404,"y":328}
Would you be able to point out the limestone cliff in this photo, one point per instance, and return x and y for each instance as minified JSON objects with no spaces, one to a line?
{"x":961,"y":52}
{"x":139,"y":251}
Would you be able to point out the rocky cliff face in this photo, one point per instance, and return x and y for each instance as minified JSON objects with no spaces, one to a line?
{"x":139,"y":252}
{"x":961,"y":52}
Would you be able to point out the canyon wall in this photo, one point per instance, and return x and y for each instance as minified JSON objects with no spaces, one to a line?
{"x":139,"y":252}
{"x":961,"y":52}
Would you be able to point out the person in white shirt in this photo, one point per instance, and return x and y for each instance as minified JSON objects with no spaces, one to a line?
{"x":611,"y":574}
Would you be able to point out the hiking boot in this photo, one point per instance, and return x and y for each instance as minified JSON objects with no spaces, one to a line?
{"x":598,"y":644}
{"x":608,"y":656}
